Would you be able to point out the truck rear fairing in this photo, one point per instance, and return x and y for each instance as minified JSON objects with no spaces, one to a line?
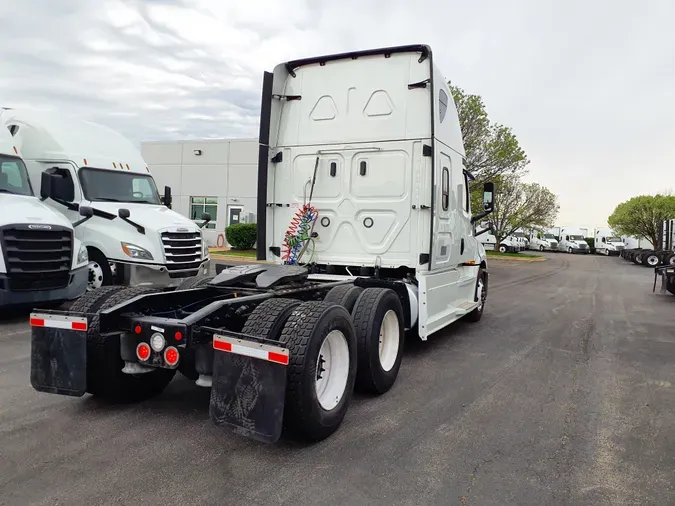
{"x":356,"y":133}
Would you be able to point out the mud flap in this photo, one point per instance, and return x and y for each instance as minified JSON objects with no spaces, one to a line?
{"x":58,"y":358}
{"x":249,"y":387}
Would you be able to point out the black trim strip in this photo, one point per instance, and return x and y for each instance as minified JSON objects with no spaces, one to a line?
{"x":263,"y":157}
{"x":292,"y":65}
{"x":433,"y":159}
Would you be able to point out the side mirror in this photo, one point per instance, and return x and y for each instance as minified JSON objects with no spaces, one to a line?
{"x":85,"y":211}
{"x":57,"y":184}
{"x":167,"y":196}
{"x":489,"y":197}
{"x":124,"y":213}
{"x":207,"y":218}
{"x":46,"y":190}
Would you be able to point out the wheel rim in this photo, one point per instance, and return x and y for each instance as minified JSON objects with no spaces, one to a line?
{"x":95,"y":276}
{"x":332,"y":370}
{"x":653,"y":260}
{"x":481,"y":293}
{"x":671,"y":261}
{"x":541,"y":248}
{"x":389,"y":340}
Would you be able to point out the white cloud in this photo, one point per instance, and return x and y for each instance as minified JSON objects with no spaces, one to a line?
{"x":586,"y":86}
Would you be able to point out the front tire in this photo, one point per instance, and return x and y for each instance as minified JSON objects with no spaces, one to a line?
{"x":503,"y":249}
{"x":100,"y":273}
{"x":481,"y":293}
{"x":321,"y":371}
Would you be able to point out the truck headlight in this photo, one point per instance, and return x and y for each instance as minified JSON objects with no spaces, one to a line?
{"x":82,"y":255}
{"x":205,"y":250}
{"x":136,"y":252}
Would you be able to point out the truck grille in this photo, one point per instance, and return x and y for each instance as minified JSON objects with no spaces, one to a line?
{"x":553,"y":244}
{"x":37,"y":259}
{"x":183,"y":252}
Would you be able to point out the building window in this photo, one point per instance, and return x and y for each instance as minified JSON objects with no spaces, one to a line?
{"x":201,"y":205}
{"x":445,"y":189}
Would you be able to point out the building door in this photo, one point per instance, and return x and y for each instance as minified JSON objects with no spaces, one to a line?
{"x":234,"y":215}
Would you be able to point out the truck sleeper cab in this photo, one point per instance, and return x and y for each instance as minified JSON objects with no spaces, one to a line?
{"x":573,"y":240}
{"x":608,"y":243}
{"x":365,"y":221}
{"x":40,"y":260}
{"x":132,"y":239}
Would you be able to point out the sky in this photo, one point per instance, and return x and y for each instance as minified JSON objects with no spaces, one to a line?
{"x":587,"y":87}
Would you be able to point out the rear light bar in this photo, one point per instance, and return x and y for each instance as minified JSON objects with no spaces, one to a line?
{"x":267,"y":352}
{"x":58,"y":322}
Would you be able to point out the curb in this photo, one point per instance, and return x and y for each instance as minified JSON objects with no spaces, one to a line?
{"x":516,"y":259}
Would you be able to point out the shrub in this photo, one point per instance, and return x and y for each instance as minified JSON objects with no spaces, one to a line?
{"x":241,"y":235}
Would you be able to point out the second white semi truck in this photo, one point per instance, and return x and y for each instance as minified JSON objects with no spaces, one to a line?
{"x":41,"y":262}
{"x":573,"y":240}
{"x":133,"y":238}
{"x":607,"y":242}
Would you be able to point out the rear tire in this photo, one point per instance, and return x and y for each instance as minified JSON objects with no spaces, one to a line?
{"x":194,"y":282}
{"x":269,"y":318}
{"x":651,"y":260}
{"x":380,"y":335}
{"x":503,"y":249}
{"x":344,"y":295}
{"x":105,"y":378}
{"x":317,"y":397}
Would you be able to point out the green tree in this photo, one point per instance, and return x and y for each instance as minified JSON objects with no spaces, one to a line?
{"x":521,"y":206}
{"x":492,"y":150}
{"x":642,"y":216}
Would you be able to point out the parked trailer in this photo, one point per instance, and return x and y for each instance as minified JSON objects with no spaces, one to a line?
{"x":356,"y":264}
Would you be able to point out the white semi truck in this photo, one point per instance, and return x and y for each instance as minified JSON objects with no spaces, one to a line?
{"x":132,"y":239}
{"x":544,"y":241}
{"x":607,"y":242}
{"x":40,"y":260}
{"x":573,"y":240}
{"x":364,"y":213}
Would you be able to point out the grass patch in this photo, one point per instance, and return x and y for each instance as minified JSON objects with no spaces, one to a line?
{"x":491,"y":253}
{"x":247,"y":253}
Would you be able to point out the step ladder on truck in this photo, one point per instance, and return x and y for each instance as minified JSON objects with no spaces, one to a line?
{"x":364,"y":211}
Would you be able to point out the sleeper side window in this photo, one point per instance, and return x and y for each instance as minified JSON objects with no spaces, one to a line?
{"x":445,"y":189}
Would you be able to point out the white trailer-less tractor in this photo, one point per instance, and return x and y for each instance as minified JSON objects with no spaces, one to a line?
{"x":40,"y":260}
{"x":364,"y":210}
{"x":132,"y":238}
{"x":607,"y":242}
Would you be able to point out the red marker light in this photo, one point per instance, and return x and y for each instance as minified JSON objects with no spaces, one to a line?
{"x":178,"y":336}
{"x":138,"y":329}
{"x":143,"y":351}
{"x":171,"y":356}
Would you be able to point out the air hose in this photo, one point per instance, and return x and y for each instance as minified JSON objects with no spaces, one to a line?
{"x":299,"y":233}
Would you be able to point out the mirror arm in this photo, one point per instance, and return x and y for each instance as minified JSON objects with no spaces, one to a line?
{"x":206,"y":222}
{"x":80,"y":222}
{"x":484,"y":231}
{"x":480,"y":216}
{"x":140,"y":228}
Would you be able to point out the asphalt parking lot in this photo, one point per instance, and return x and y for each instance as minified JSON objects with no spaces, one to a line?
{"x":563,"y":394}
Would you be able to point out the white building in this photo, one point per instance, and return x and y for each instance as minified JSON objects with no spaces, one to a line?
{"x":217,"y":176}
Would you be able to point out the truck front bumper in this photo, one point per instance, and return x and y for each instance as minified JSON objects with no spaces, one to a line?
{"x":75,"y":289}
{"x":159,"y":275}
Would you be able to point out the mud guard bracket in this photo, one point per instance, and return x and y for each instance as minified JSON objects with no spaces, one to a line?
{"x":249,"y":386}
{"x":58,"y":358}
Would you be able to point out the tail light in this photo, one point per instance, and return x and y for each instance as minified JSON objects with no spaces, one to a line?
{"x":143,"y":352}
{"x":171,"y":356}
